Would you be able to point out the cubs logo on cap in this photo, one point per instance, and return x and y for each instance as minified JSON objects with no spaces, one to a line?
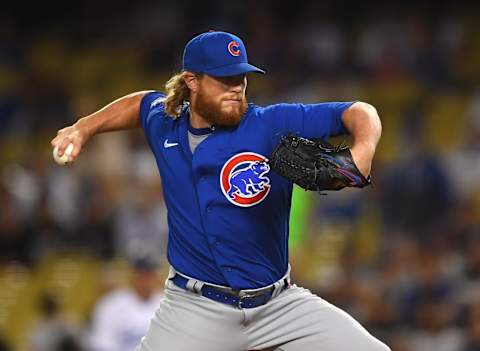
{"x":243,"y":179}
{"x":217,"y":54}
{"x":233,"y":48}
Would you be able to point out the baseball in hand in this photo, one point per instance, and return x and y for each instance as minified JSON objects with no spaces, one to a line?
{"x":65,"y":158}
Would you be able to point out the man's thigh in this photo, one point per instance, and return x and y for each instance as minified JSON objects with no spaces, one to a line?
{"x":298,"y":320}
{"x":186,"y":321}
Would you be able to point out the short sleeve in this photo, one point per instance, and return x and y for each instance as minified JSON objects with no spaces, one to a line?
{"x":149,"y":102}
{"x":320,"y":120}
{"x":151,"y":113}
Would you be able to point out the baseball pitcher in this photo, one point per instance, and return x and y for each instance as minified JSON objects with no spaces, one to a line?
{"x":228,"y":197}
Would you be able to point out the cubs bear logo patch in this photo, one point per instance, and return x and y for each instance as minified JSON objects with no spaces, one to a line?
{"x":243,"y":179}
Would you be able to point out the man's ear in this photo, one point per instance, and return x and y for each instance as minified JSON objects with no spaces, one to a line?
{"x":191,"y":80}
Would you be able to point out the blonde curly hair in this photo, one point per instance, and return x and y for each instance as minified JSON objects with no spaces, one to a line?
{"x":177,"y":94}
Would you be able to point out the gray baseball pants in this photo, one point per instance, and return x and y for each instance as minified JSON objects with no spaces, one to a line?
{"x":295,"y":320}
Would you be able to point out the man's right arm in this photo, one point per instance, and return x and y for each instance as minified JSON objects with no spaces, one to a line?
{"x":123,"y":113}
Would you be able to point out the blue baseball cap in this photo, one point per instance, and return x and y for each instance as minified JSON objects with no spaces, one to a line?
{"x":218,"y":54}
{"x":145,"y":263}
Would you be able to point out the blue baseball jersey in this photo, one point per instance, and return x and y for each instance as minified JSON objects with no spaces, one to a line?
{"x":228,"y":213}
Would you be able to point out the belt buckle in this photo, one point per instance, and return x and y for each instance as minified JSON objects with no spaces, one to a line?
{"x":241,"y":300}
{"x":244,"y":296}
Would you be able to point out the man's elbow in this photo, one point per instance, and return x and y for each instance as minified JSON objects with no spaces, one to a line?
{"x":364,"y":108}
{"x":368,"y":114}
{"x":362,"y":118}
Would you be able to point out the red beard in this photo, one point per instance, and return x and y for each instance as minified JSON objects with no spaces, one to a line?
{"x":211,"y":111}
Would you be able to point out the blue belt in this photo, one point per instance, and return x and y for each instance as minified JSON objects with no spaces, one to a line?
{"x":235,"y":298}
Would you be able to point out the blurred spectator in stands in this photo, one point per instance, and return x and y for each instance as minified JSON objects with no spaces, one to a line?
{"x":433,"y":330}
{"x":63,"y":192}
{"x":141,"y":221}
{"x":463,"y":166}
{"x":9,"y":110}
{"x":96,"y":230}
{"x":417,"y":192}
{"x":25,"y":186}
{"x":430,"y":309}
{"x":463,"y":163}
{"x":53,"y":332}
{"x":470,"y":283}
{"x":14,"y":238}
{"x":121,"y":318}
{"x":383,"y":50}
{"x":473,"y":328}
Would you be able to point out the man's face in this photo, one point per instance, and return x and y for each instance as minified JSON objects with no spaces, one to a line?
{"x":221,"y":101}
{"x":145,"y":282}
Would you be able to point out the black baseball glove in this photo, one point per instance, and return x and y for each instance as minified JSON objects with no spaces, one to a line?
{"x":316,"y":165}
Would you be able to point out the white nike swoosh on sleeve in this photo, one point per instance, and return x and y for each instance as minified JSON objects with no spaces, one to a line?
{"x":166,"y":144}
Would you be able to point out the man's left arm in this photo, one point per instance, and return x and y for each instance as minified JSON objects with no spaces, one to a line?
{"x":363,"y":123}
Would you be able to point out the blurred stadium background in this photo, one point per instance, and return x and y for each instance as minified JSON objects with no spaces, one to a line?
{"x":403,"y":256}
